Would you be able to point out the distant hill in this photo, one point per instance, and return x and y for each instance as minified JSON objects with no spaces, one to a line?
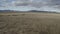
{"x":42,"y":11}
{"x":27,"y":11}
{"x":6,"y":11}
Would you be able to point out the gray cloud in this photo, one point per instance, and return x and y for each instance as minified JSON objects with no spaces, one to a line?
{"x":32,"y":3}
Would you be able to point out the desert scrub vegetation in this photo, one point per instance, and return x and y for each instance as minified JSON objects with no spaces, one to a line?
{"x":29,"y":23}
{"x":1,"y":15}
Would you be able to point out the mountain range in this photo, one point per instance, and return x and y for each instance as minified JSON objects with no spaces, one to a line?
{"x":27,"y":11}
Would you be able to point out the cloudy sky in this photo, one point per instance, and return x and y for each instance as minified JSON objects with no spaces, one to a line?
{"x":24,"y":5}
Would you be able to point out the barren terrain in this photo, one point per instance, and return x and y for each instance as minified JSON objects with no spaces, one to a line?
{"x":29,"y":23}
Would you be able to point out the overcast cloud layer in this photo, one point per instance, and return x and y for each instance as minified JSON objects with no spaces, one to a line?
{"x":49,"y":5}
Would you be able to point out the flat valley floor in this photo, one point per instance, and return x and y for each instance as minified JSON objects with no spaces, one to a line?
{"x":29,"y":23}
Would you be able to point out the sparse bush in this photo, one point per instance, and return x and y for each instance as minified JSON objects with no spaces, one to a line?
{"x":23,"y":14}
{"x":8,"y":15}
{"x":1,"y":15}
{"x":14,"y":15}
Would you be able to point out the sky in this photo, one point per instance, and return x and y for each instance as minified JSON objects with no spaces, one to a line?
{"x":25,"y":5}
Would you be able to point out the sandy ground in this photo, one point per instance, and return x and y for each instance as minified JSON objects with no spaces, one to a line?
{"x":29,"y":23}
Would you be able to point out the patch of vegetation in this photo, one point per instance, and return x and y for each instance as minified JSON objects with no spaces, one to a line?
{"x":14,"y":15}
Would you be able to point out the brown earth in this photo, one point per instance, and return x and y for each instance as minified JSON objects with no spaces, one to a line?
{"x":29,"y":23}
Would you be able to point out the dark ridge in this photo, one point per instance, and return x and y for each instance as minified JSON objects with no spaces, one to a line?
{"x":6,"y":11}
{"x":39,"y":11}
{"x":27,"y":11}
